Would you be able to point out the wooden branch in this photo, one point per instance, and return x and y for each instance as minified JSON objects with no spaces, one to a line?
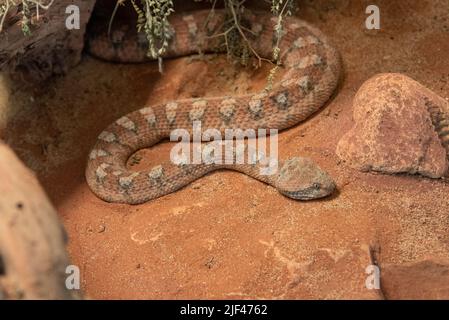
{"x":33,"y":259}
{"x":51,"y":48}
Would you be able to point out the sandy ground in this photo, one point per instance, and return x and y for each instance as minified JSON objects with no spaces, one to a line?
{"x":226,"y":235}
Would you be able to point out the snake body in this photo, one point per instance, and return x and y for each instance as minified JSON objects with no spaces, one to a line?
{"x":312,"y":73}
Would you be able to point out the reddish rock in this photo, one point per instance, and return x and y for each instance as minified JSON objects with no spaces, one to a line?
{"x":427,"y":279}
{"x":394,"y":130}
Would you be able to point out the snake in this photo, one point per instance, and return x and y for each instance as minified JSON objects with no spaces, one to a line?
{"x":312,"y":71}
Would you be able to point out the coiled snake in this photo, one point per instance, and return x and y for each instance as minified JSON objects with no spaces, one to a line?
{"x":312,"y":73}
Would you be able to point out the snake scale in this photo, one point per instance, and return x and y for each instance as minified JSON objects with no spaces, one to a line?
{"x":312,"y":68}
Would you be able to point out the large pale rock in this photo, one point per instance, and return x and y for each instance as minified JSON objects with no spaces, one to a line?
{"x":395,"y":131}
{"x":33,"y":258}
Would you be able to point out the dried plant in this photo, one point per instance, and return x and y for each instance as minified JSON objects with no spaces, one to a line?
{"x":153,"y":20}
{"x":27,"y":9}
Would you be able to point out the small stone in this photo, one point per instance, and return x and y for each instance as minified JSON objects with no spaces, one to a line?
{"x":393,"y":130}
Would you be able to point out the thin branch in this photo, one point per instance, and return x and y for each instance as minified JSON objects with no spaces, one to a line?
{"x":117,"y":4}
{"x":26,"y":6}
{"x":237,"y":25}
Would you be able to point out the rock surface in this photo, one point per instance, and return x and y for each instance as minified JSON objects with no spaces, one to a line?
{"x":431,"y":275}
{"x":393,"y":131}
{"x":33,"y":259}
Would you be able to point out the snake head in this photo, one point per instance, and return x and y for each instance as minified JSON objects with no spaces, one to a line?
{"x":302,"y":179}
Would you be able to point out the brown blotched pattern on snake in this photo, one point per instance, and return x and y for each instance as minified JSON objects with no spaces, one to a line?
{"x":312,"y":73}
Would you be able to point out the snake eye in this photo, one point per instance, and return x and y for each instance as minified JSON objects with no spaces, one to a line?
{"x":316,"y":186}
